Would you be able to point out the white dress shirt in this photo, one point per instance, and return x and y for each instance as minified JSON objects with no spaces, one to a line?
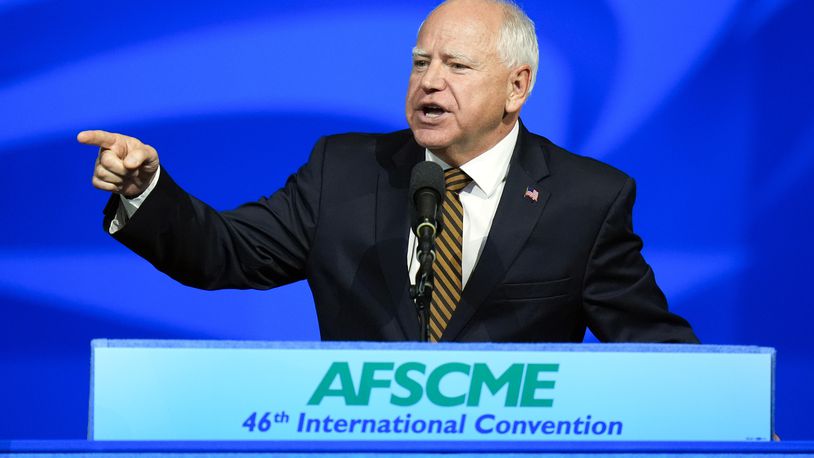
{"x":479,"y":200}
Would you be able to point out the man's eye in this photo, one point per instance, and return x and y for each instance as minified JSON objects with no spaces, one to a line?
{"x":458,"y":66}
{"x":420,"y":64}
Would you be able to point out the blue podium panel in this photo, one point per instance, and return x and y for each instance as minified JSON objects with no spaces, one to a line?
{"x":503,"y":449}
{"x":371,"y":392}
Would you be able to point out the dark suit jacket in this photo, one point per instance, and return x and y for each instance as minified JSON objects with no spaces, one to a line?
{"x":548,"y":269}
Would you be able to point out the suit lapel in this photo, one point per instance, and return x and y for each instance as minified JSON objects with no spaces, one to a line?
{"x":392,"y":227}
{"x":514,"y":221}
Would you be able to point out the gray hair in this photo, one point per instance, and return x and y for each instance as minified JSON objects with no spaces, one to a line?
{"x":517,"y":39}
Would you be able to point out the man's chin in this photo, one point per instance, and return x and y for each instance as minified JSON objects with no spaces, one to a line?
{"x":431,"y":140}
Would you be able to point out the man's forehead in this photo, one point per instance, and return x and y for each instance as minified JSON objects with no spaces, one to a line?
{"x":463,"y":38}
{"x":452,"y":43}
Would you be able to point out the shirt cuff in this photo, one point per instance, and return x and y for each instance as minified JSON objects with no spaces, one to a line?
{"x":128,"y":207}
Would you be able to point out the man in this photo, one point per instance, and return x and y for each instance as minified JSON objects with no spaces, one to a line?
{"x":539,"y":241}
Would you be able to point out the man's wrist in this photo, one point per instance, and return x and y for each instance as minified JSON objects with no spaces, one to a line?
{"x":131,"y":205}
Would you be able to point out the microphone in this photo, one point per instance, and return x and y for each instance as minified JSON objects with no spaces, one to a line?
{"x":427,"y":186}
{"x":426,"y":190}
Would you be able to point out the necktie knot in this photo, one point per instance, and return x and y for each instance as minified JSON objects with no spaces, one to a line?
{"x":456,"y":179}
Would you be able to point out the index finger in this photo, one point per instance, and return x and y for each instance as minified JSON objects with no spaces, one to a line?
{"x":100,"y":138}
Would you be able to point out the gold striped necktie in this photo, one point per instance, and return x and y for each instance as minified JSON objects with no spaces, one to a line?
{"x":447,"y":266}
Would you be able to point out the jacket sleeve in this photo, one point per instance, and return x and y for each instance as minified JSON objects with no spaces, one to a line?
{"x":622,"y":301}
{"x":259,"y":245}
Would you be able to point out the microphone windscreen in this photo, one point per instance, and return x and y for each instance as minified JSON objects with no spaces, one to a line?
{"x":426,"y":179}
{"x":427,"y":174}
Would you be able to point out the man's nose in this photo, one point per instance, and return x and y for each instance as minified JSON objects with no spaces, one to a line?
{"x":433,"y":79}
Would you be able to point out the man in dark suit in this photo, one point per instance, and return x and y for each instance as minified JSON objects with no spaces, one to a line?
{"x":544,"y":243}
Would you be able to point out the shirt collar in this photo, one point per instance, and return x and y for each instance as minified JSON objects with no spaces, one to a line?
{"x":489,"y":169}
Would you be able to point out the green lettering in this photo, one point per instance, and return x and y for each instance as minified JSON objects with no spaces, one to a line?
{"x":413,"y":387}
{"x":482,"y":375}
{"x":369,"y":380}
{"x":531,"y":384}
{"x":341,"y":371}
{"x":434,"y":381}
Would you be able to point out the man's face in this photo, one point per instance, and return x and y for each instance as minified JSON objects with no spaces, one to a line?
{"x":458,"y":87}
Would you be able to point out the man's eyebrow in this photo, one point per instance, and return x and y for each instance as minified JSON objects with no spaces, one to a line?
{"x":451,"y":55}
{"x":418,"y":52}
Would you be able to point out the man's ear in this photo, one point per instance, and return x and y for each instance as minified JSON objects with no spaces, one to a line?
{"x":518,"y":88}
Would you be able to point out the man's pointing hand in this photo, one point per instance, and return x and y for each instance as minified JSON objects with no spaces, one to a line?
{"x":125,"y":165}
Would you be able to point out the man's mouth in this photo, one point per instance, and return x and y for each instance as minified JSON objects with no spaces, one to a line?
{"x":431,"y":110}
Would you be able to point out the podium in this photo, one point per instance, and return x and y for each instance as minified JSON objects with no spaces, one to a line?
{"x":201,"y":398}
{"x":412,"y":392}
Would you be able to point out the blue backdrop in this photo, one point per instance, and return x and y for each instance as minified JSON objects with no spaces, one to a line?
{"x":708,"y":104}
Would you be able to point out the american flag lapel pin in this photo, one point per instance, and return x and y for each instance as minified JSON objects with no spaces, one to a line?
{"x":531,"y":194}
